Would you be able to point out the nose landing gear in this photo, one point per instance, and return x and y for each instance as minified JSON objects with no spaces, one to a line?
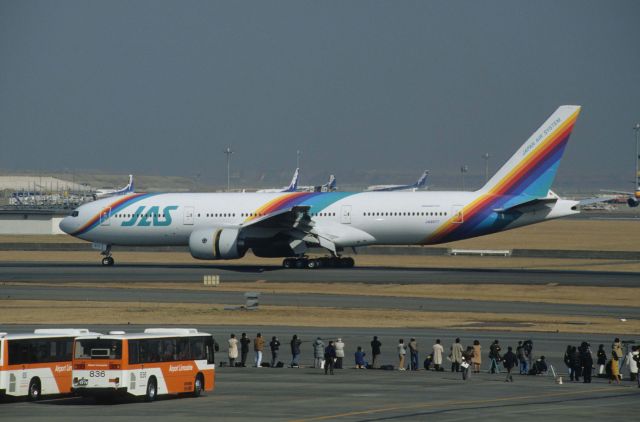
{"x":107,"y":261}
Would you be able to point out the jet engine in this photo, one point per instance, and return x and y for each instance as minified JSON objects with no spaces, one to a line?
{"x":633,"y":202}
{"x":215,"y":243}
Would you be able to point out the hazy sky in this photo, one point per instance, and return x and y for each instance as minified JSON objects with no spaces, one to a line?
{"x":160,"y":87}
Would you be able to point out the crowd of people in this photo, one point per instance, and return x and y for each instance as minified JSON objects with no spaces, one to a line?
{"x":330,"y":355}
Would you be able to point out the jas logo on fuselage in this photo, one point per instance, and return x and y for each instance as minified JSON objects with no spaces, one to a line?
{"x":151,"y":217}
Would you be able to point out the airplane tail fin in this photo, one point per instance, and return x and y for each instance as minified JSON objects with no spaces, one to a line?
{"x":129,"y":188}
{"x":422,"y":180}
{"x":529,"y":173}
{"x":293,"y":186}
{"x":331,"y":185}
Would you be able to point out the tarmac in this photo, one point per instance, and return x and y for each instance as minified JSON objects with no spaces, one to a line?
{"x":306,"y":394}
{"x":349,"y":395}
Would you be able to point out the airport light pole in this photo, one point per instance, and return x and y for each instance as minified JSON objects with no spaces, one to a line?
{"x":636,"y":129}
{"x":486,"y":166}
{"x":463,"y":170}
{"x":228,"y":153}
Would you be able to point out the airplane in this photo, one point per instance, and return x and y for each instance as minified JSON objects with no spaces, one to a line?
{"x":330,"y":186}
{"x":386,"y":188}
{"x":224,"y":226}
{"x":633,"y":199}
{"x":293,"y":186}
{"x":104,"y":193}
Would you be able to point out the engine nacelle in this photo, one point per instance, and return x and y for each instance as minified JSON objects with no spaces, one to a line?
{"x":633,"y":202}
{"x":215,"y":243}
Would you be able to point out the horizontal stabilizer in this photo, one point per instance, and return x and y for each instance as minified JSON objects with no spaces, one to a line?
{"x":589,"y":201}
{"x":527,"y":204}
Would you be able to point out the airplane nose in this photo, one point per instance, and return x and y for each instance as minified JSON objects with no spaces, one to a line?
{"x":66,"y":225}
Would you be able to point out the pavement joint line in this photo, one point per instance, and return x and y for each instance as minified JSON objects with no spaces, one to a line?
{"x":450,"y":403}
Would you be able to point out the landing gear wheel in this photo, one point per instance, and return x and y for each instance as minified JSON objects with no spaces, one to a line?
{"x":301,"y":263}
{"x":107,"y":261}
{"x":312,"y":264}
{"x":152,"y":390}
{"x":349,"y":262}
{"x":288,"y":263}
{"x":35,"y":390}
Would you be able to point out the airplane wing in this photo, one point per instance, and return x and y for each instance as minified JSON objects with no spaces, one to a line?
{"x":589,"y":201}
{"x":285,"y":219}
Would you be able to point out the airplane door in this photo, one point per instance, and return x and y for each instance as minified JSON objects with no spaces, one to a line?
{"x":458,"y":214}
{"x":188,"y":216}
{"x":105,"y":215}
{"x":345,"y":214}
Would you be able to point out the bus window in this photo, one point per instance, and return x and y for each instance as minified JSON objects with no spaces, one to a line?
{"x":209,"y":349}
{"x":39,"y":351}
{"x":197,"y":348}
{"x":134,"y":357}
{"x":182,"y":348}
{"x":98,"y":349}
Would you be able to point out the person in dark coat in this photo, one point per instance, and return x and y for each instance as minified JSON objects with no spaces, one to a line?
{"x":244,"y":349}
{"x":494,"y":356}
{"x":329,"y":358}
{"x":575,"y":362}
{"x":509,"y":361}
{"x":295,"y":350}
{"x":586,"y":362}
{"x":274,"y":345}
{"x":602,"y":360}
{"x":567,"y":361}
{"x":375,"y":351}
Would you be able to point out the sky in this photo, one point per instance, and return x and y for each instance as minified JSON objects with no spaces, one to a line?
{"x":371,"y":90}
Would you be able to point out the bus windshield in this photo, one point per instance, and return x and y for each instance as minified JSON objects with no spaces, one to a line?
{"x":97,"y":348}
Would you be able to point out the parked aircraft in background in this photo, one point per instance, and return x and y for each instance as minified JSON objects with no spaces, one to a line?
{"x":633,"y":198}
{"x":104,"y":193}
{"x":219,"y":226}
{"x":293,"y":186}
{"x":420,"y":183}
{"x":330,"y":186}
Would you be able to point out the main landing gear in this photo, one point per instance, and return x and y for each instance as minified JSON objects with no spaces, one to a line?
{"x":313,"y":263}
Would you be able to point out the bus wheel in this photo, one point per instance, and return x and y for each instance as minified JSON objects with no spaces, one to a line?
{"x":35,"y":389}
{"x":152,"y":390}
{"x":198,"y":386}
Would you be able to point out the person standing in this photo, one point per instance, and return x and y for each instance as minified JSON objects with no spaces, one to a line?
{"x":617,"y":347}
{"x":329,"y":358}
{"x":233,"y":350}
{"x":632,"y":363}
{"x":274,"y":345}
{"x":402,"y":351}
{"x":258,"y":347}
{"x":528,"y":352}
{"x":568,"y":357}
{"x":295,"y":350}
{"x":318,"y":352}
{"x":494,"y":356}
{"x":477,"y":356}
{"x":524,"y":367}
{"x":509,"y":361}
{"x":467,"y":362}
{"x":339,"y":345}
{"x":438,"y":351}
{"x":575,"y":363}
{"x":244,"y":349}
{"x":586,"y":362}
{"x":456,"y":355}
{"x":615,"y":367}
{"x":375,"y":351}
{"x":602,"y":360}
{"x":636,"y":357}
{"x":413,"y":352}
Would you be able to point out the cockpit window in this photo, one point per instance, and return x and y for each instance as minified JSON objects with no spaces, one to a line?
{"x":74,"y":214}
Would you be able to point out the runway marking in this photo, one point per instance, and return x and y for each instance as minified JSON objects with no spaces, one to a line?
{"x":449,"y":403}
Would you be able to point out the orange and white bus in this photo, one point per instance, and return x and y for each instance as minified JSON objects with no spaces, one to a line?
{"x":158,"y":361}
{"x":38,"y":363}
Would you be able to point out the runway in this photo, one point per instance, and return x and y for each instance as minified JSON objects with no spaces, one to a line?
{"x":176,"y":273}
